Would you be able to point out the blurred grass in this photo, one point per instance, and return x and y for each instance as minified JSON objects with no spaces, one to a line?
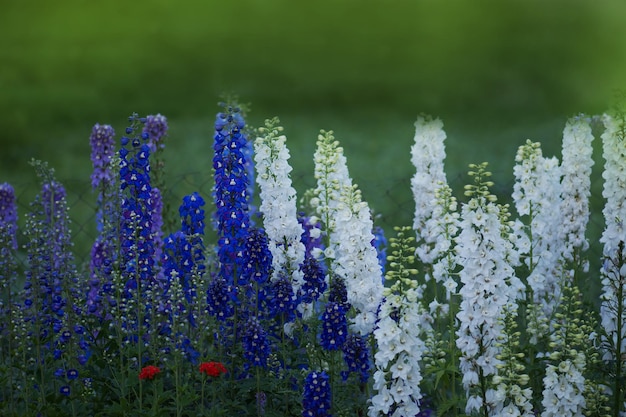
{"x":496,"y":72}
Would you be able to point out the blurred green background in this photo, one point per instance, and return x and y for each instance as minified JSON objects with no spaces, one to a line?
{"x":496,"y":72}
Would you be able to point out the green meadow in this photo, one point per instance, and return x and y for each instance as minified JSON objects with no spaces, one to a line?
{"x":495,"y":72}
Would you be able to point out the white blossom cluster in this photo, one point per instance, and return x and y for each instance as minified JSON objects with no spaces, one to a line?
{"x":400,"y":349}
{"x":564,"y":385}
{"x":536,"y":192}
{"x":614,"y":235}
{"x":356,"y":259}
{"x":576,"y":166}
{"x":446,"y":224}
{"x":349,"y":227}
{"x":427,"y":156}
{"x":278,"y":203}
{"x":487,"y":256}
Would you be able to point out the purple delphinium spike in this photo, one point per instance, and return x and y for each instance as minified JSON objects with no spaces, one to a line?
{"x":51,"y":296}
{"x":156,"y":127}
{"x":102,"y":150}
{"x":8,"y":213}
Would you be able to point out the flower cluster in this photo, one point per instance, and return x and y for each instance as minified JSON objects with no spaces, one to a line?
{"x":149,"y":372}
{"x":316,"y":398}
{"x":102,"y":151}
{"x":536,"y":192}
{"x":398,"y":336}
{"x":489,"y":285}
{"x":231,"y":195}
{"x":576,"y":163}
{"x":156,"y":128}
{"x":212,"y":369}
{"x":427,"y":156}
{"x":613,"y":309}
{"x":279,"y":203}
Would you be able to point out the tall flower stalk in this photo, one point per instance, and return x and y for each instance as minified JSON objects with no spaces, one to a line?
{"x":489,"y":285}
{"x":278,"y":204}
{"x":613,"y":307}
{"x":399,"y":336}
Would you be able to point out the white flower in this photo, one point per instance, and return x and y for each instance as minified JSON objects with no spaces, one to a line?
{"x":614,"y":234}
{"x":577,"y":160}
{"x":400,"y":348}
{"x":349,"y":224}
{"x":278,"y":204}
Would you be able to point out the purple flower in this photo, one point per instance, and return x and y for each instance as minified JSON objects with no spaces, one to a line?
{"x":156,"y":128}
{"x":8,"y":213}
{"x":102,"y":150}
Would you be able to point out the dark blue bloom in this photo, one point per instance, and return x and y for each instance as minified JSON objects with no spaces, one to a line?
{"x":256,"y":346}
{"x":356,"y":356}
{"x":316,"y":398}
{"x":380,"y":243}
{"x":231,"y":192}
{"x":65,"y":390}
{"x":334,"y":326}
{"x":219,"y":299}
{"x":314,"y":280}
{"x":72,"y":374}
{"x":283,"y":300}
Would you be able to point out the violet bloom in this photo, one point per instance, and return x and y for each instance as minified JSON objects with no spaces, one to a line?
{"x":156,"y":128}
{"x":102,"y":150}
{"x":8,"y":213}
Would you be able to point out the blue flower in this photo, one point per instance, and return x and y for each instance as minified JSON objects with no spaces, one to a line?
{"x":356,"y":356}
{"x":256,"y":345}
{"x":334,"y":326}
{"x":316,"y":399}
{"x":65,"y":390}
{"x":314,"y":280}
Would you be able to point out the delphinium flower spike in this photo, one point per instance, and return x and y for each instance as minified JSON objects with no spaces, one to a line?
{"x":103,"y":250}
{"x":536,"y":192}
{"x":231,"y":200}
{"x":278,"y":204}
{"x":576,"y":164}
{"x":489,"y":284}
{"x":348,"y":223}
{"x":399,"y":335}
{"x":613,"y":307}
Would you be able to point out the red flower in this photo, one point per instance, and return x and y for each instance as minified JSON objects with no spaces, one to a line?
{"x":213,"y":369}
{"x":149,"y":372}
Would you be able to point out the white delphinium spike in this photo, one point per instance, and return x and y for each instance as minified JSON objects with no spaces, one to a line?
{"x":613,"y":307}
{"x":485,"y":254}
{"x":348,"y":227}
{"x":278,"y":203}
{"x":536,"y":193}
{"x":577,"y":160}
{"x":513,"y":398}
{"x":427,"y":156}
{"x":356,"y":259}
{"x":565,"y":382}
{"x":398,"y":335}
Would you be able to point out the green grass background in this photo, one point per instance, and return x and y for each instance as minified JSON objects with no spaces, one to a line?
{"x":496,"y":72}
